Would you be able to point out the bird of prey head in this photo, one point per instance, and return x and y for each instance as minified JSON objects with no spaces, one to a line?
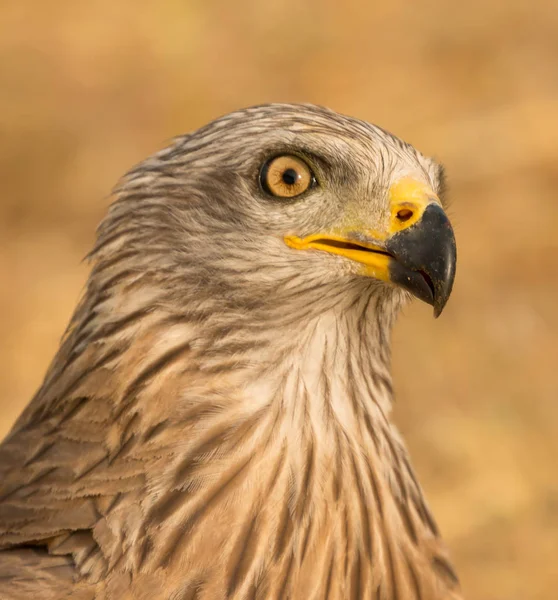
{"x":216,"y":422}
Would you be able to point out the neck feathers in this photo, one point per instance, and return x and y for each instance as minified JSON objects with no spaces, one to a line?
{"x":263,"y":460}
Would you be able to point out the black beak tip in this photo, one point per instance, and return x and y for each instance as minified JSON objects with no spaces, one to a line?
{"x":445,"y":279}
{"x":425,"y":258}
{"x":438,"y":308}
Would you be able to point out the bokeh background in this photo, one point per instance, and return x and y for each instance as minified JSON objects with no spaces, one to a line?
{"x":89,"y":88}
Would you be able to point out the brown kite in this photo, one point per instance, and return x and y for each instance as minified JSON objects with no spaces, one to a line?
{"x":216,"y":423}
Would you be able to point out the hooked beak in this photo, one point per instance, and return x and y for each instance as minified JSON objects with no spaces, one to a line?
{"x":417,"y":252}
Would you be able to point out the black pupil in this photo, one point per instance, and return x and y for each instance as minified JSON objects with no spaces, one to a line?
{"x":290,"y":176}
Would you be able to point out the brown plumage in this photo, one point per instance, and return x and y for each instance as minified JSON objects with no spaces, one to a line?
{"x":216,"y":423}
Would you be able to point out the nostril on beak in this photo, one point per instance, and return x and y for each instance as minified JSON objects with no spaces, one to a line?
{"x":404,"y":214}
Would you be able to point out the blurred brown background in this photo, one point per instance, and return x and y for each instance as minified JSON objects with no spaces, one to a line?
{"x":88,"y":89}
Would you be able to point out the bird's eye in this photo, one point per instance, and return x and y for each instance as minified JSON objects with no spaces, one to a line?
{"x":286,"y":176}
